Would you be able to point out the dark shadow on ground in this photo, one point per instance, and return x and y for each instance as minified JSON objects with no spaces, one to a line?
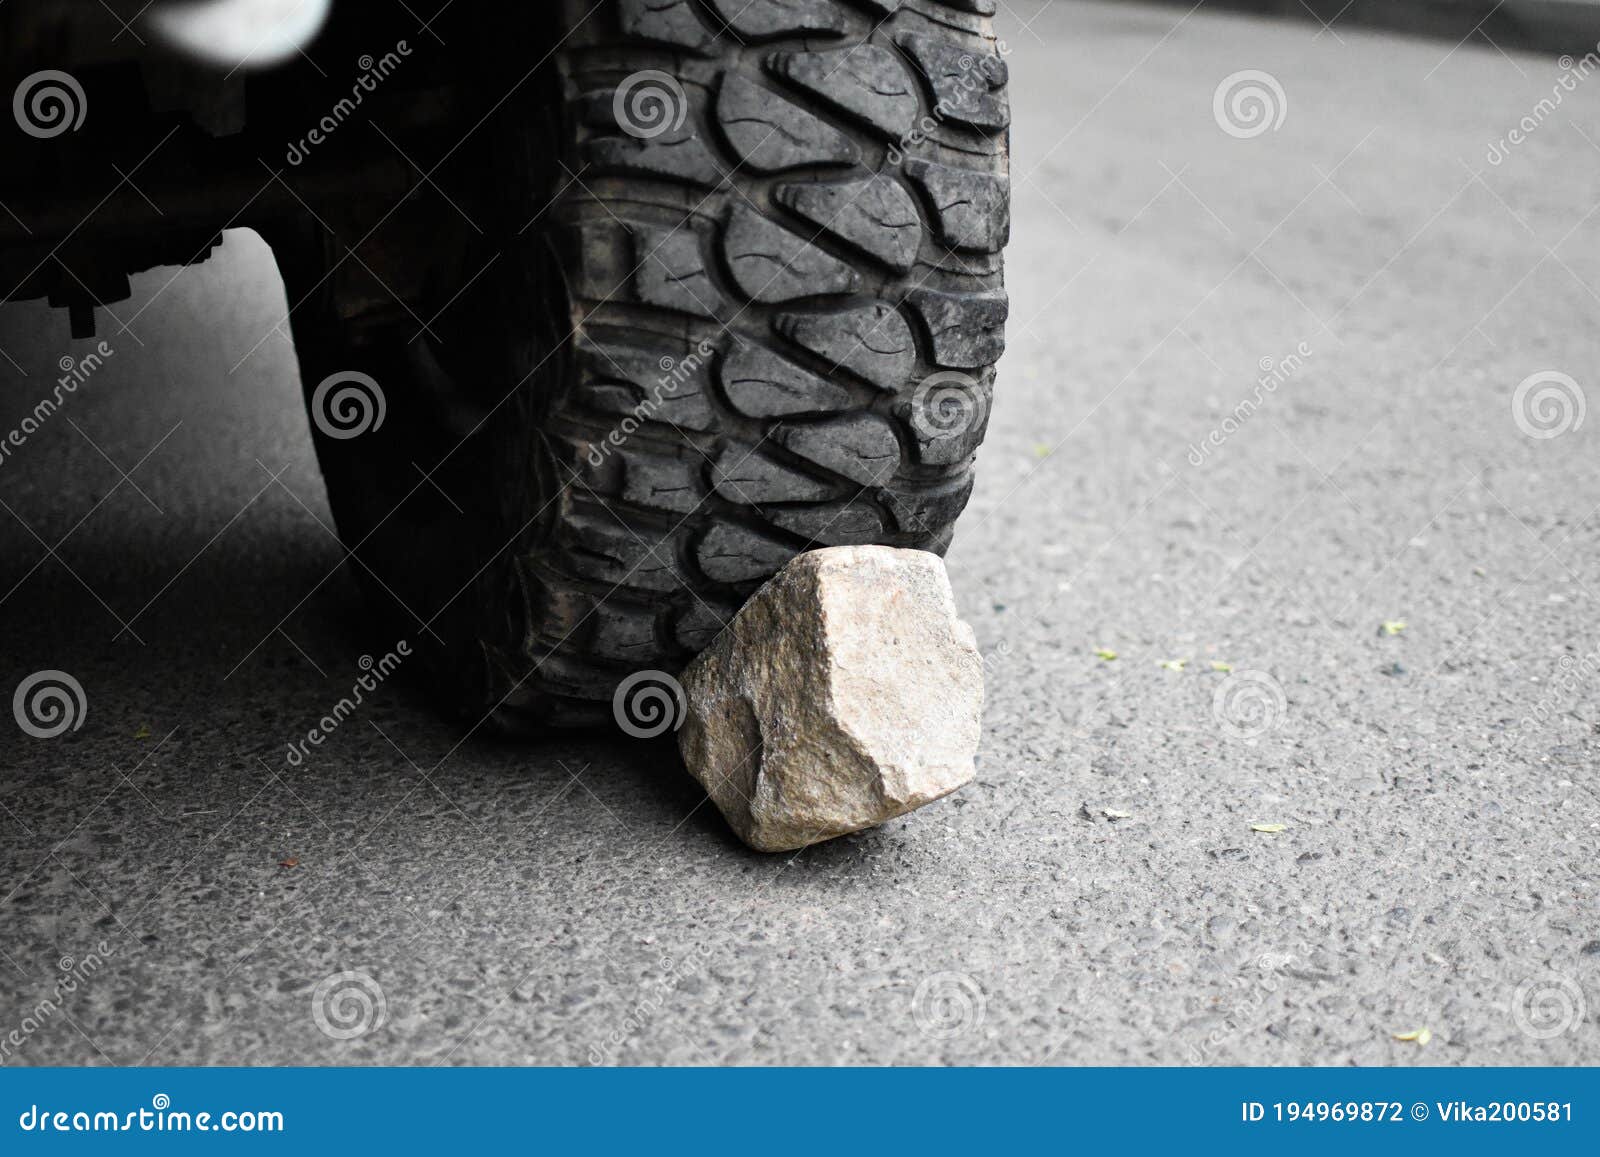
{"x":1558,"y":26}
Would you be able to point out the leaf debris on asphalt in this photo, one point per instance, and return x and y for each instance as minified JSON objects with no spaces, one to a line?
{"x":1225,"y":668}
{"x":1418,"y":1036}
{"x":1393,"y":627}
{"x":1269,"y":829}
{"x":1174,"y":664}
{"x":1106,"y":654}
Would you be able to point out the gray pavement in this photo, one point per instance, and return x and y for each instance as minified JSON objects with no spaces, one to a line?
{"x":573,"y":901}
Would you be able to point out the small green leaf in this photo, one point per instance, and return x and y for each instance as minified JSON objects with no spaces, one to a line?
{"x":143,"y":732}
{"x":1420,"y":1036}
{"x":1392,"y":627}
{"x":1269,"y":829}
{"x":1042,"y":450}
{"x":1218,"y":665}
{"x":1175,"y":664}
{"x":1106,"y":654}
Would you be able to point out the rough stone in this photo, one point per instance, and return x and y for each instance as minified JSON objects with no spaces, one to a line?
{"x":845,"y":693}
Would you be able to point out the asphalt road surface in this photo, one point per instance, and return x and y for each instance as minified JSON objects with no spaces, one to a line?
{"x":1101,"y":894}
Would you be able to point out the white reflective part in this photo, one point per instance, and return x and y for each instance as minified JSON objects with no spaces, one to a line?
{"x":256,"y":33}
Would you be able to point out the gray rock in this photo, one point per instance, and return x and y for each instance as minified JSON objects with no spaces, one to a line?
{"x":845,"y":693}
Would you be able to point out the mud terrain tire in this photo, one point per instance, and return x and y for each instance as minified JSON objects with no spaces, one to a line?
{"x":773,"y":243}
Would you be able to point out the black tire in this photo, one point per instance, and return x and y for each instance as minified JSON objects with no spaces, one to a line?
{"x":774,"y":242}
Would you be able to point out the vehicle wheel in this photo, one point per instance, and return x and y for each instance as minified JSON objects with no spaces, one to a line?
{"x":759,"y":312}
